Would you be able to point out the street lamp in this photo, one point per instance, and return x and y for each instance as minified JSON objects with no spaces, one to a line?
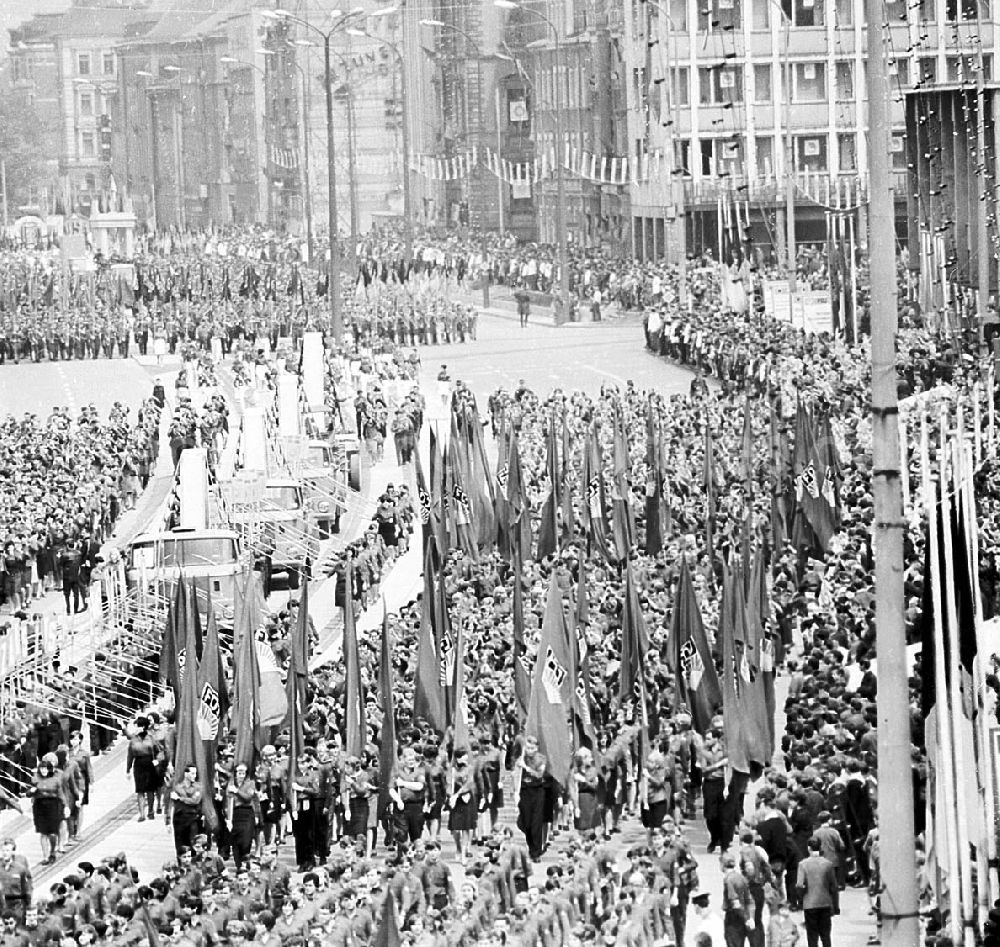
{"x":341,"y":20}
{"x":306,"y":192}
{"x":401,"y":62}
{"x":560,"y":183}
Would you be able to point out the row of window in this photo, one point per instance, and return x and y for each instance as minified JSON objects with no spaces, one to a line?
{"x":811,"y":83}
{"x":92,"y":64}
{"x":728,"y":14}
{"x":719,"y":156}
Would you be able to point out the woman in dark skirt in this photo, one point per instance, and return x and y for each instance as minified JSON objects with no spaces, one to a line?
{"x":531,"y":797}
{"x":49,"y":806}
{"x":243,"y":813}
{"x":141,"y":763}
{"x":463,"y":802}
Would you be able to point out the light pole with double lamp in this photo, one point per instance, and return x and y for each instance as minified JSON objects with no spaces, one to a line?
{"x":341,"y":22}
{"x":404,"y":105}
{"x":563,"y":294}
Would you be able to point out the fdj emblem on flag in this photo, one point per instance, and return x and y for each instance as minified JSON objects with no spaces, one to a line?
{"x":425,"y":507}
{"x":553,"y":676}
{"x":447,"y":660}
{"x":692,"y":666}
{"x":503,"y":474}
{"x":828,"y":493}
{"x":807,"y":481}
{"x":208,"y":712}
{"x":594,"y":496}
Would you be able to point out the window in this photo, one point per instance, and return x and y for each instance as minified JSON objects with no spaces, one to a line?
{"x":927,"y":70}
{"x":108,"y":64}
{"x":720,"y":85}
{"x":810,"y":152}
{"x":760,"y":14}
{"x":899,"y":71}
{"x":845,"y":81}
{"x":844,"y":13}
{"x":679,"y":77}
{"x":966,"y":9}
{"x":86,"y":103}
{"x":898,"y":146}
{"x":88,"y":147}
{"x":719,"y":15}
{"x":762,"y":84}
{"x":847,"y":151}
{"x":895,"y":10}
{"x":765,"y":156}
{"x":83,"y":64}
{"x":678,"y":16}
{"x":810,"y":82}
{"x":804,"y":12}
{"x":682,"y":156}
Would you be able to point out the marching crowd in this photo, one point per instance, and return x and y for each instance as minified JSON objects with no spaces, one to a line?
{"x":360,"y":842}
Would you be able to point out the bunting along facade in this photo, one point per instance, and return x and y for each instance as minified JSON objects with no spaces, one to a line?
{"x":355,"y":725}
{"x":595,"y":517}
{"x":689,"y":656}
{"x":550,"y":702}
{"x":548,"y":527}
{"x":387,"y":732}
{"x":190,"y":748}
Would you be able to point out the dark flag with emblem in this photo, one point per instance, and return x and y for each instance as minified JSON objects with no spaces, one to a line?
{"x":548,"y":527}
{"x":595,"y":515}
{"x":761,"y":633}
{"x":424,"y":504}
{"x":551,"y":697}
{"x":429,"y":696}
{"x":465,"y":529}
{"x":501,"y":510}
{"x":709,"y":483}
{"x":387,"y":731}
{"x":689,"y":656}
{"x":622,"y":520}
{"x":189,"y":747}
{"x":522,"y":668}
{"x":635,"y":640}
{"x":355,"y":726}
{"x":586,"y":734}
{"x":518,"y":504}
{"x":654,"y":485}
{"x":480,"y":483}
{"x":439,"y":497}
{"x":169,"y":656}
{"x":460,"y":699}
{"x":742,"y":690}
{"x":568,"y":476}
{"x":246,"y":675}
{"x":814,"y":522}
{"x":213,"y":695}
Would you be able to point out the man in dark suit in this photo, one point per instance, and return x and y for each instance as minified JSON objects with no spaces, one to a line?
{"x":817,"y":884}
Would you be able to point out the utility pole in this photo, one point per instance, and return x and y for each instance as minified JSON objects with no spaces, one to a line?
{"x":897,"y":858}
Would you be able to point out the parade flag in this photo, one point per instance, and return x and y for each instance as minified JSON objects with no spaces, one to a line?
{"x":464,"y":531}
{"x":696,"y":684}
{"x":296,"y":690}
{"x":356,"y":730}
{"x":246,"y":676}
{"x":654,"y":485}
{"x":580,"y":653}
{"x":522,"y":667}
{"x":623,"y":524}
{"x":501,"y":509}
{"x":595,"y":516}
{"x":635,"y":641}
{"x":566,"y":491}
{"x":170,"y":671}
{"x":549,"y":705}
{"x":460,"y":706}
{"x":519,"y":508}
{"x":708,"y":478}
{"x":439,"y":497}
{"x":212,"y":689}
{"x":815,"y":498}
{"x":387,"y":732}
{"x":742,"y":693}
{"x":481,"y":482}
{"x":428,"y":696}
{"x":423,"y":503}
{"x":760,"y":642}
{"x":388,"y":934}
{"x":829,"y":457}
{"x":779,"y":480}
{"x":190,"y":748}
{"x":746,"y":454}
{"x":548,"y":527}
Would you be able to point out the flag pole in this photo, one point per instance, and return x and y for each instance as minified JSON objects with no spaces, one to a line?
{"x":900,"y":914}
{"x":944,"y":768}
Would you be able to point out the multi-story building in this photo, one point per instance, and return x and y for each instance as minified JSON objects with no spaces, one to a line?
{"x":65,"y":64}
{"x":729,"y":96}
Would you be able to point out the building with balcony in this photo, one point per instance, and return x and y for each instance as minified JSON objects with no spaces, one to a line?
{"x":735,"y":95}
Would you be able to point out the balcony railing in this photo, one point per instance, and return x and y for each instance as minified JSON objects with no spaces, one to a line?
{"x":826,"y":189}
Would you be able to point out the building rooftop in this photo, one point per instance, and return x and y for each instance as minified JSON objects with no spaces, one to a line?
{"x":81,"y":20}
